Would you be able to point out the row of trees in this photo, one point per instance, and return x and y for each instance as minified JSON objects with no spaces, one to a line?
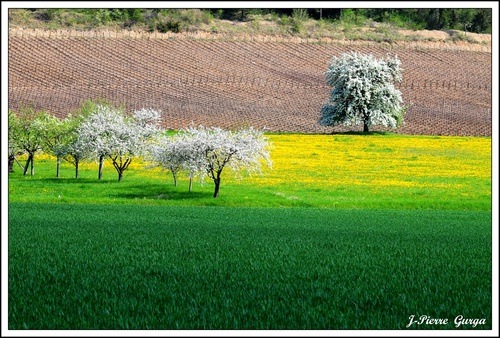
{"x":96,"y":131}
{"x":100,"y":131}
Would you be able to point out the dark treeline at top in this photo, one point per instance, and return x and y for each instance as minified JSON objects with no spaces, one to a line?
{"x":477,"y":20}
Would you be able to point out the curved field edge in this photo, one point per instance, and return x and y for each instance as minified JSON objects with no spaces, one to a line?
{"x":158,"y":267}
{"x":320,"y":171}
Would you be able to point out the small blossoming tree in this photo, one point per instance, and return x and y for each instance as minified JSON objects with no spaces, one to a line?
{"x":176,"y":154}
{"x":363,"y":92}
{"x":207,"y":151}
{"x":110,"y":133}
{"x":214,"y":149}
{"x":75,"y":150}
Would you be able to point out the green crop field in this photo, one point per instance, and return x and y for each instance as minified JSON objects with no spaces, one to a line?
{"x":355,"y":232}
{"x":167,"y":267}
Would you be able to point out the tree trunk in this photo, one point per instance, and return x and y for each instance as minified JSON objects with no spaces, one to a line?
{"x":76,"y":168}
{"x":190,"y":184}
{"x":101,"y":163}
{"x":28,"y":161}
{"x":58,"y":168}
{"x":11,"y":163}
{"x":120,"y":168}
{"x":217,"y":185}
{"x":365,"y":127}
{"x":175,"y":178}
{"x":32,"y":166}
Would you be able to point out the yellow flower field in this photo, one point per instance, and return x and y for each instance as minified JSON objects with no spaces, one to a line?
{"x":365,"y":171}
{"x":376,"y":160}
{"x":381,"y":164}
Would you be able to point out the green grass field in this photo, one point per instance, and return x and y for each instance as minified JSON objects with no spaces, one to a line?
{"x":167,"y":267}
{"x":308,"y":245}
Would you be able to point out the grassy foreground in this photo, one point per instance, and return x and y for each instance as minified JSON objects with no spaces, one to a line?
{"x":168,"y":267}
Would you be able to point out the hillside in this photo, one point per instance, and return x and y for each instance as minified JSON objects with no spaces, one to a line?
{"x":237,"y":80}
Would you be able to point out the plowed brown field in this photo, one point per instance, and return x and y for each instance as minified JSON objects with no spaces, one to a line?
{"x":279,"y":86}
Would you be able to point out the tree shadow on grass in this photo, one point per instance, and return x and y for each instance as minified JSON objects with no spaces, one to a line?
{"x":69,"y":180}
{"x":129,"y":191}
{"x":66,"y":180}
{"x":156,"y":192}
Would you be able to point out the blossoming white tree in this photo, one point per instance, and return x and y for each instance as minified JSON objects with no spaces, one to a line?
{"x":213,"y":149}
{"x":363,"y":92}
{"x":172,"y":153}
{"x":147,"y":121}
{"x":110,"y":133}
{"x":205,"y":152}
{"x":74,"y":147}
{"x":75,"y":150}
{"x":96,"y":129}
